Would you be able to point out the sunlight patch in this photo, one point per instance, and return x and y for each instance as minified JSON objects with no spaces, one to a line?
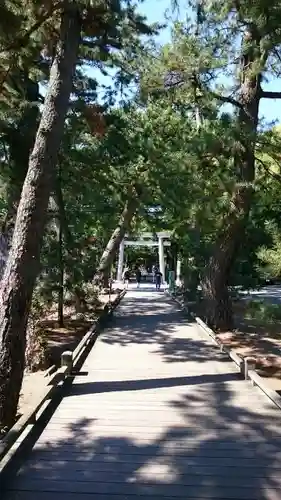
{"x":156,"y":471}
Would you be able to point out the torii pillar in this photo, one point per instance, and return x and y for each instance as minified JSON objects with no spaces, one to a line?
{"x":120,"y":260}
{"x":161,"y":257}
{"x":178,"y":273}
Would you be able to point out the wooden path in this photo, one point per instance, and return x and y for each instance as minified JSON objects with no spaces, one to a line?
{"x":160,"y":415}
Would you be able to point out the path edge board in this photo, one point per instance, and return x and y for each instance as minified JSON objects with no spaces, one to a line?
{"x":253,"y":376}
{"x":17,"y":437}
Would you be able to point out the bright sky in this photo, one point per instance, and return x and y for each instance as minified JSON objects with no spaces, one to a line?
{"x":154,"y":10}
{"x":270,"y":109}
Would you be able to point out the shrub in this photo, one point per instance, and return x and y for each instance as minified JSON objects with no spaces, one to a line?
{"x":261,"y":310}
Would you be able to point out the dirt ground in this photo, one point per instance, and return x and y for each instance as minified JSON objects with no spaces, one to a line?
{"x":58,"y":340}
{"x":259,"y":340}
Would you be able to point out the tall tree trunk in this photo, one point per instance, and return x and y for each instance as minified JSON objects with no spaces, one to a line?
{"x":60,"y":260}
{"x":217,"y":303}
{"x":61,"y":277}
{"x":4,"y":251}
{"x":70,"y":249}
{"x":218,"y":307}
{"x":24,"y":259}
{"x":102,"y":272}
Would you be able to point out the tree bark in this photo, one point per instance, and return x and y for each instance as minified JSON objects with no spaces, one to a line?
{"x":217,"y":303}
{"x":61,"y":277}
{"x":60,"y":261}
{"x":73,"y":253}
{"x":24,"y":259}
{"x":218,"y":307}
{"x":57,"y":227}
{"x":102,"y":272}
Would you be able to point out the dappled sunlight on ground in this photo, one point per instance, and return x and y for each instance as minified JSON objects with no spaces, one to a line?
{"x":161,"y":414}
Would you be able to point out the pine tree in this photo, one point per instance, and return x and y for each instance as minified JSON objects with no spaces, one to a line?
{"x":22,"y":266}
{"x":66,"y":32}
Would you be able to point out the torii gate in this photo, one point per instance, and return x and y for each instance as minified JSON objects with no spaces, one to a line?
{"x":148,"y":240}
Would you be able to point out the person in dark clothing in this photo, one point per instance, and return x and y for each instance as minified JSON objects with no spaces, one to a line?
{"x":138,"y":277}
{"x":126,"y":277}
{"x":158,"y":278}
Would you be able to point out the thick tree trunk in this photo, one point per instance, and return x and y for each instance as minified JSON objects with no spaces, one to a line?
{"x":4,"y":251}
{"x":7,"y":229}
{"x":24,"y":259}
{"x":218,"y":305}
{"x":61,"y":277}
{"x":112,"y":246}
{"x":60,"y":262}
{"x":73,"y":253}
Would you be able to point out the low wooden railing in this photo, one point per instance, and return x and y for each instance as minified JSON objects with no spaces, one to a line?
{"x":246,"y":365}
{"x":70,"y":364}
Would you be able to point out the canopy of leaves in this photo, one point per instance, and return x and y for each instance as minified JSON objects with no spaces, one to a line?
{"x":172,"y":137}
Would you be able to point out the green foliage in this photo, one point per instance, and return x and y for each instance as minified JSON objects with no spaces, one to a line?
{"x":172,"y":138}
{"x":271,"y":257}
{"x":263,"y":311}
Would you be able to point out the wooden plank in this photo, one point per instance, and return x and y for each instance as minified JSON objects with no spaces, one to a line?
{"x":29,"y":495}
{"x":54,"y":462}
{"x":155,"y":478}
{"x":239,"y":454}
{"x":151,"y":416}
{"x":190,"y":403}
{"x":182,"y":460}
{"x":137,"y":439}
{"x":210,"y":490}
{"x":161,"y":414}
{"x":260,"y":447}
{"x":135,"y":429}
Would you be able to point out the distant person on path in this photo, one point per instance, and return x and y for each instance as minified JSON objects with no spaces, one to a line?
{"x":126,"y":276}
{"x":158,"y":278}
{"x":144,"y":273}
{"x":138,"y":277}
{"x":153,"y":273}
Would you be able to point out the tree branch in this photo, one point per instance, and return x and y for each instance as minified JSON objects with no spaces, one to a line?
{"x":270,"y":95}
{"x":274,"y":175}
{"x":23,"y":39}
{"x":226,"y":99}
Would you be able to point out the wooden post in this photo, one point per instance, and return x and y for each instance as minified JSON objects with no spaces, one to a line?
{"x":67,"y":360}
{"x":248,"y":364}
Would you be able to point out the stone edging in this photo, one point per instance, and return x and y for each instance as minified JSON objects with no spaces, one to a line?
{"x":16,"y":437}
{"x":239,"y":361}
{"x":247,"y":373}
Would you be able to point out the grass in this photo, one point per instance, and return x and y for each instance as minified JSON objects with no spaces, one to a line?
{"x":262,"y":311}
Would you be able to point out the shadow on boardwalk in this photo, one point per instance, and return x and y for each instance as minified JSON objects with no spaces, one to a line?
{"x":225,"y":454}
{"x":211,"y":436}
{"x":156,"y":324}
{"x":152,"y":383}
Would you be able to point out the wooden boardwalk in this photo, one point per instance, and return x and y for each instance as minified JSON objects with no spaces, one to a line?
{"x":160,"y":415}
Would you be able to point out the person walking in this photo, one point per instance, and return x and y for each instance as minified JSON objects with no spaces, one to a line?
{"x":126,"y":276}
{"x":138,"y":277}
{"x":158,"y":278}
{"x":153,"y":273}
{"x":143,"y":273}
